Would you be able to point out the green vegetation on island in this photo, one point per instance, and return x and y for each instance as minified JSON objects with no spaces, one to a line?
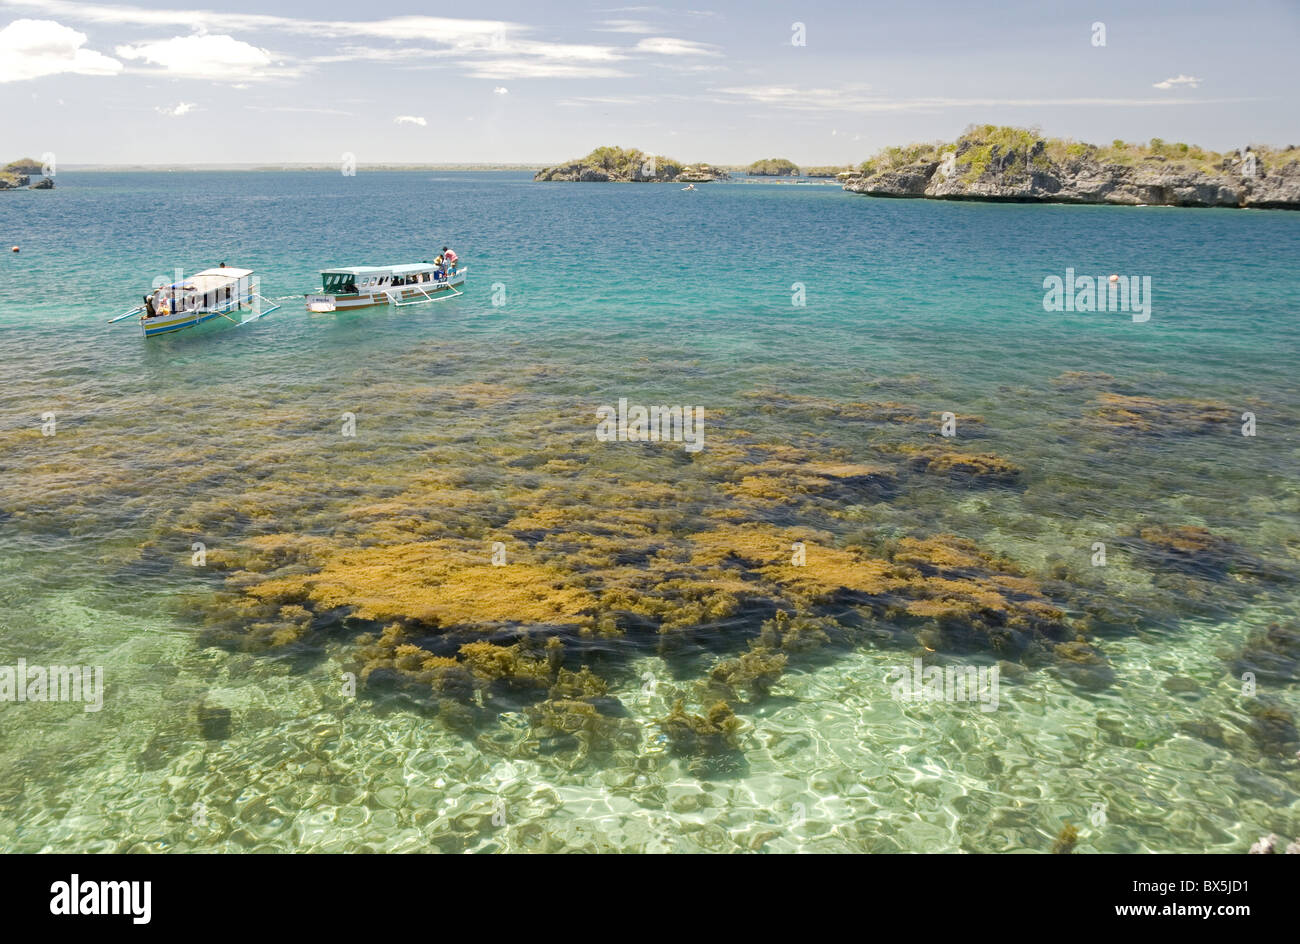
{"x":629,"y":165}
{"x":773,"y":167}
{"x":991,"y":162}
{"x":833,"y":170}
{"x":17,"y":174}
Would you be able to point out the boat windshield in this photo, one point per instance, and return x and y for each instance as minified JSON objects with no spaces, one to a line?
{"x":338,"y":282}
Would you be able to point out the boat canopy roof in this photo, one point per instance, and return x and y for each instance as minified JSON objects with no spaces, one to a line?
{"x":210,"y":279}
{"x":408,"y":269}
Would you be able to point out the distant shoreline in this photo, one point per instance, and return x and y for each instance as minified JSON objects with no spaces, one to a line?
{"x":267,"y":168}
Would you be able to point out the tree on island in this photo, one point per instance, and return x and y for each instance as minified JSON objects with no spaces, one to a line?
{"x":773,"y":167}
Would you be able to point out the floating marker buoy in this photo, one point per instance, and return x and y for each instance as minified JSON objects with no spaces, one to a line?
{"x":1114,"y":278}
{"x":14,"y":249}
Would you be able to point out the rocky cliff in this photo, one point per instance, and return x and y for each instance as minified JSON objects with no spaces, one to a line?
{"x":620,"y":165}
{"x":989,"y":163}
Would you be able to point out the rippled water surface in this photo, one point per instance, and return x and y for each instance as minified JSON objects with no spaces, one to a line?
{"x":649,"y":670}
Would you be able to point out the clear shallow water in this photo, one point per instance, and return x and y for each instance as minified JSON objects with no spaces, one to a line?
{"x":662,"y":297}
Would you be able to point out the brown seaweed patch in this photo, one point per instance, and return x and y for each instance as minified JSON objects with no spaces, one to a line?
{"x":1083,"y":664}
{"x":875,"y":413}
{"x":1153,"y":416}
{"x":439,"y":583}
{"x":1191,"y":550}
{"x":784,"y":482}
{"x":965,"y":598}
{"x":252,"y":625}
{"x":1082,"y":380}
{"x":753,"y":672}
{"x":563,"y":722}
{"x":1065,"y":840}
{"x":800,"y":635}
{"x":715,"y":732}
{"x":979,"y":468}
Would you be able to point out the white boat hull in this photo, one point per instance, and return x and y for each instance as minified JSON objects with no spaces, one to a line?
{"x":421,"y":291}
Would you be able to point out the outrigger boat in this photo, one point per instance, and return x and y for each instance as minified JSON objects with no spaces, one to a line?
{"x":213,"y":293}
{"x":366,"y":286}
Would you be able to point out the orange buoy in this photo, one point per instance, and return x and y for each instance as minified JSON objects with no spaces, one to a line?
{"x":1114,"y":278}
{"x":14,"y":249}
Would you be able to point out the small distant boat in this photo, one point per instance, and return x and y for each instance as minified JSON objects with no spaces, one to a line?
{"x":212,"y":293}
{"x":365,"y":286}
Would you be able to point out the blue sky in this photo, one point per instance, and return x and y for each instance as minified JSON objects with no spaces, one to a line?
{"x":156,"y":82}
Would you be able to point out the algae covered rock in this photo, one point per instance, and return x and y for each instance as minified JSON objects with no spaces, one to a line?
{"x":1162,"y":417}
{"x":754,"y":672}
{"x":1189,"y":549}
{"x":1272,"y":726}
{"x":714,"y":732}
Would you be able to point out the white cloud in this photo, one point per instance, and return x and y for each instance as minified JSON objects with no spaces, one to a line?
{"x":536,"y":69}
{"x":625,"y":26}
{"x":1177,"y":81}
{"x":179,"y":110}
{"x":222,"y":58}
{"x":440,"y":29}
{"x":501,"y":90}
{"x":409,"y":120}
{"x":485,"y":48}
{"x":30,"y":49}
{"x":668,"y":46}
{"x":861,"y":99}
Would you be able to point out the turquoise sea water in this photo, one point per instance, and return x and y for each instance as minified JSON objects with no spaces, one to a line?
{"x":661,"y":297}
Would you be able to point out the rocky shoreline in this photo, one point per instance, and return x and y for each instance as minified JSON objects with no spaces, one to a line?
{"x":1007,"y":164}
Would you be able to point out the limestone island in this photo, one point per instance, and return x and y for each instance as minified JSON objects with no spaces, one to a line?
{"x":843,"y":171}
{"x":989,"y":162}
{"x":18,"y":174}
{"x":629,"y":165}
{"x":773,"y":167}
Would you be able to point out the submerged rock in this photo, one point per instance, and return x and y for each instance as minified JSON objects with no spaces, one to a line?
{"x":1273,"y":655}
{"x":1192,"y":550}
{"x":1272,"y":727}
{"x":1156,"y":417}
{"x":974,"y":468}
{"x":214,"y":721}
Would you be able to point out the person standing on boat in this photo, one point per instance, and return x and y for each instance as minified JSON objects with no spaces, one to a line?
{"x":450,"y":258}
